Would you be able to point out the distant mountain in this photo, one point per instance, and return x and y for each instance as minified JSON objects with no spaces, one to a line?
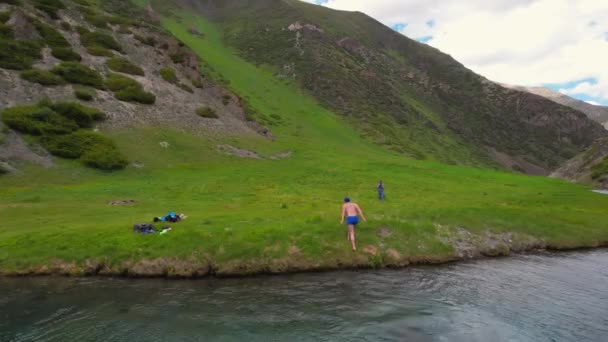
{"x":595,"y":113}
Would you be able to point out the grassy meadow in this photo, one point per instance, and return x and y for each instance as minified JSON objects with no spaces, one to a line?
{"x":247,"y":215}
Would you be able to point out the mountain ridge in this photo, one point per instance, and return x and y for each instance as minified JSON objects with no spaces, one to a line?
{"x":596,"y":113}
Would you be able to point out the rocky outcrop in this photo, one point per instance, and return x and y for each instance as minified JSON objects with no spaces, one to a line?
{"x":584,"y":167}
{"x":22,"y":27}
{"x":594,"y":112}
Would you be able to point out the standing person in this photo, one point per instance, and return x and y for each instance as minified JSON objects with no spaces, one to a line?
{"x":351,"y":211}
{"x":380,"y":188}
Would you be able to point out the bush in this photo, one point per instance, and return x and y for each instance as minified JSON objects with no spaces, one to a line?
{"x":50,"y":7}
{"x":125,"y":66}
{"x":168,"y":74}
{"x":149,"y":40}
{"x":84,"y":94}
{"x":82,"y":3}
{"x":104,"y":157}
{"x":6,"y":32}
{"x":100,"y":39}
{"x":178,"y":57}
{"x":197,"y":83}
{"x":66,"y":26}
{"x":78,"y":74}
{"x":118,"y":20}
{"x":97,"y":20}
{"x":186,"y":88}
{"x":226,"y":99}
{"x":128,"y":89}
{"x":600,"y":169}
{"x":43,"y":77}
{"x":60,"y":47}
{"x":37,"y":120}
{"x":124,"y":29}
{"x":74,"y":145}
{"x":5,"y":16}
{"x":52,"y":37}
{"x":206,"y":112}
{"x":99,"y":51}
{"x":18,"y":55}
{"x":65,"y":54}
{"x":83,"y":116}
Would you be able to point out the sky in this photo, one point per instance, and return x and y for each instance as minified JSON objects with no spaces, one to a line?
{"x":558,"y":44}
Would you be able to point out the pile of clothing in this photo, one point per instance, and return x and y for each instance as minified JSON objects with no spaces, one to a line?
{"x":170,"y":217}
{"x":148,"y":228}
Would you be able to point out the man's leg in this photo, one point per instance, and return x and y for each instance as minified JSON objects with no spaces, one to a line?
{"x":351,"y":233}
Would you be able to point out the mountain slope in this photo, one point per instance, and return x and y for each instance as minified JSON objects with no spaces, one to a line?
{"x":159,"y":63}
{"x":402,"y":94}
{"x":595,"y":113}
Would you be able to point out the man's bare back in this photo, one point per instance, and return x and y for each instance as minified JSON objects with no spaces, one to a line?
{"x":351,"y":211}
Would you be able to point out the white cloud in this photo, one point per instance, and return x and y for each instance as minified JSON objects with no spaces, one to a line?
{"x":524,"y":42}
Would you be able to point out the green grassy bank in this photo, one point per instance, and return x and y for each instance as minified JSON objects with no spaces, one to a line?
{"x":250,"y":216}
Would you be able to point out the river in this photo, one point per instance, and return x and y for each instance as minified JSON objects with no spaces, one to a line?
{"x":539,"y":297}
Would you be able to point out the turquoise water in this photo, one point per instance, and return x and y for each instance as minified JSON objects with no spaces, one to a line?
{"x":541,"y":297}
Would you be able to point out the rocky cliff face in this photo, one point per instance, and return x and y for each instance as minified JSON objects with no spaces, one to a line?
{"x":595,"y":113}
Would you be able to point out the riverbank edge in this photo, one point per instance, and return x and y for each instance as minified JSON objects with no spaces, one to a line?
{"x":174,"y":268}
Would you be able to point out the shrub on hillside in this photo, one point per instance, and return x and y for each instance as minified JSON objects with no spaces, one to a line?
{"x":37,"y":120}
{"x":74,"y":145}
{"x":125,"y":66}
{"x":5,"y":16}
{"x":206,"y":112}
{"x":197,"y":83}
{"x":99,"y":51}
{"x":60,"y":47}
{"x":83,"y":116}
{"x":85,"y":3}
{"x":66,"y":26}
{"x":186,"y":88}
{"x":43,"y":77}
{"x":128,"y":89}
{"x":168,"y":74}
{"x":104,"y":157}
{"x":77,"y":73}
{"x":50,"y":7}
{"x":6,"y":32}
{"x":600,"y":169}
{"x":18,"y":55}
{"x":97,"y":20}
{"x":149,"y":40}
{"x":99,"y":39}
{"x":124,"y":29}
{"x":178,"y":58}
{"x":65,"y":54}
{"x":84,"y":94}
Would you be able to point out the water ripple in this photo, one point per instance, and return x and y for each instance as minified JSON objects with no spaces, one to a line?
{"x":542,"y":297}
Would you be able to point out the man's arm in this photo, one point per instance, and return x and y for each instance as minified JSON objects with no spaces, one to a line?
{"x":343,"y":213}
{"x":361,"y":213}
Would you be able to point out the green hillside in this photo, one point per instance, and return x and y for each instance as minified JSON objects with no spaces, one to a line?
{"x":402,"y":94}
{"x":249,"y":215}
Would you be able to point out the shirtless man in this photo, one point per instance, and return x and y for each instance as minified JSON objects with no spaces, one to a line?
{"x":352,"y":212}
